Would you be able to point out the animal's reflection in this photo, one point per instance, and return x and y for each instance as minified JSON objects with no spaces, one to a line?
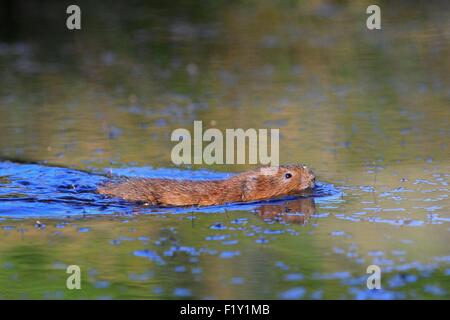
{"x":295,"y":211}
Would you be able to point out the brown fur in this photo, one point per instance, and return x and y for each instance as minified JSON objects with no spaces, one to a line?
{"x":260,"y":184}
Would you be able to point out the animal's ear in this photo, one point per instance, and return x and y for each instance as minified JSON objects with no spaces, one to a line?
{"x":248,"y":186}
{"x":269,"y":171}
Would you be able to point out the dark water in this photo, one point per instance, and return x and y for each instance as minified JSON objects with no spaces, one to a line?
{"x":367,"y":110}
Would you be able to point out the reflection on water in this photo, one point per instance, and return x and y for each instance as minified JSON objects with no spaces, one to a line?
{"x":368,"y":111}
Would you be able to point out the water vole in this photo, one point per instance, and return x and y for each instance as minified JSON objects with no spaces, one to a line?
{"x":260,"y":184}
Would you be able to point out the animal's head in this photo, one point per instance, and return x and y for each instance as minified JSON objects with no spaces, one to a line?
{"x":272,"y":182}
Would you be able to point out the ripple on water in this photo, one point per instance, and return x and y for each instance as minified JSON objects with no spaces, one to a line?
{"x":218,"y":226}
{"x":196,"y":270}
{"x":375,"y":253}
{"x":102,"y":284}
{"x":158,"y":290}
{"x":294,"y":277}
{"x":398,"y":252}
{"x":240,"y":221}
{"x":141,"y":277}
{"x":281,"y":265}
{"x":271,"y":231}
{"x":400,"y":280}
{"x":217,"y":237}
{"x":182,"y":292}
{"x":237,"y":281}
{"x":229,"y":254}
{"x":188,"y":250}
{"x":317,"y":295}
{"x":381,"y":294}
{"x":59,"y":266}
{"x":57,"y":295}
{"x":230,"y":242}
{"x":338,"y":233}
{"x":332,"y":276}
{"x":180,"y":269}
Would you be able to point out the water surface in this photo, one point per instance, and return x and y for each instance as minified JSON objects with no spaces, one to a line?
{"x":368,"y":111}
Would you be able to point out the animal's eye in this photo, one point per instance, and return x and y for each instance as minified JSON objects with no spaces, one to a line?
{"x":288,"y":175}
